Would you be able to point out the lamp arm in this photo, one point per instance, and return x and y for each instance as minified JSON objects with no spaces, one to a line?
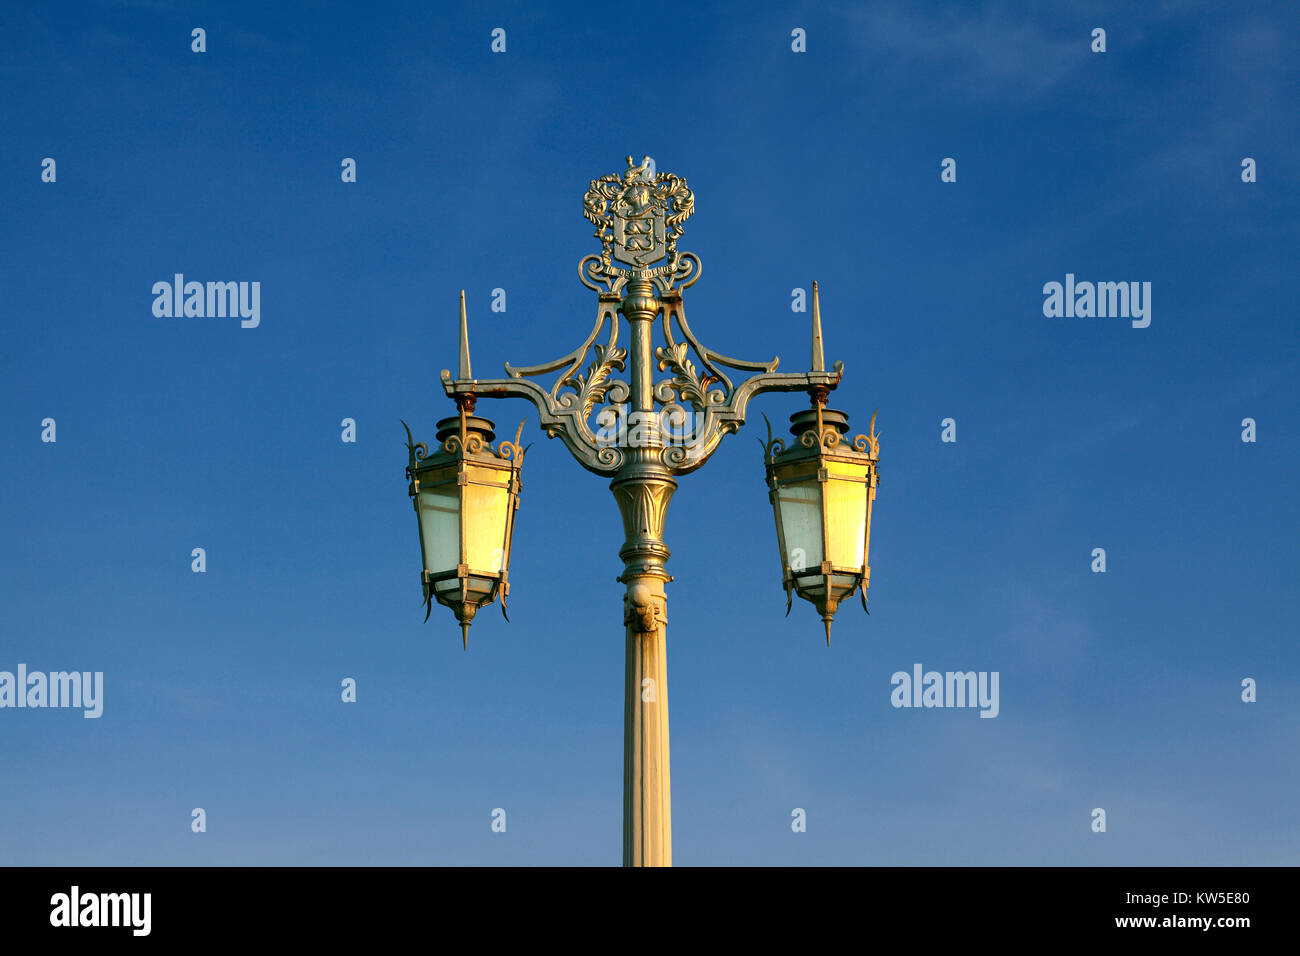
{"x":556,"y":420}
{"x":721,"y":420}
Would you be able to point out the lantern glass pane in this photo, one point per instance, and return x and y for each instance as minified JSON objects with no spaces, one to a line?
{"x":812,"y":586}
{"x":846,"y":518}
{"x":481,"y":588}
{"x":440,"y":526}
{"x":801,"y":518}
{"x":485,"y":519}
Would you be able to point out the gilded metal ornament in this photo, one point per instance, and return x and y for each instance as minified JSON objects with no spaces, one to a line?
{"x":644,"y":411}
{"x":639,"y":222}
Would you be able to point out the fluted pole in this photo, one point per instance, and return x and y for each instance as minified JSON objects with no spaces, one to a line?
{"x":643,"y":488}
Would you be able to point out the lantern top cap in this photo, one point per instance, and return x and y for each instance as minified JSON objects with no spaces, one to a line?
{"x":474,"y":424}
{"x":806,"y":420}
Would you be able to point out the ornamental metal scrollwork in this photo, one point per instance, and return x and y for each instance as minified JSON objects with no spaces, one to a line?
{"x":686,"y":383}
{"x":511,"y":449}
{"x":869,"y":444}
{"x":639,"y":219}
{"x":591,"y":388}
{"x":471,"y":444}
{"x":773,"y":446}
{"x":416,"y":451}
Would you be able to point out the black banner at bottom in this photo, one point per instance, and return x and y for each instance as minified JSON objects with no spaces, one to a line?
{"x":94,"y":905}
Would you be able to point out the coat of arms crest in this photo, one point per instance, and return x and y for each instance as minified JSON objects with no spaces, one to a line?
{"x":638,"y":216}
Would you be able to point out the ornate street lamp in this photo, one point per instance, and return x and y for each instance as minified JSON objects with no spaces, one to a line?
{"x":643,"y":434}
{"x":465,"y":498}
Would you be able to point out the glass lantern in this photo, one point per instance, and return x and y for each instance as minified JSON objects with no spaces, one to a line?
{"x":465,"y":497}
{"x":822,"y":488}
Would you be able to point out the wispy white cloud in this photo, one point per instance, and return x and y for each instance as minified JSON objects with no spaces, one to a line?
{"x":975,"y":53}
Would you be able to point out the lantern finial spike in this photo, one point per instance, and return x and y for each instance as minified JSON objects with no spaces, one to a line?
{"x":463,"y":373}
{"x":464,"y":636}
{"x":827,"y":621}
{"x":818,"y":355}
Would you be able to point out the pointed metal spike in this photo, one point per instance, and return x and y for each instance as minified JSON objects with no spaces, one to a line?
{"x":827,"y":622}
{"x":818,"y":355}
{"x":463,"y":373}
{"x":766,"y":445}
{"x":464,"y":636}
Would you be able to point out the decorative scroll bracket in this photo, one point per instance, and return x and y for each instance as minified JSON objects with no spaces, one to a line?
{"x":639,"y":217}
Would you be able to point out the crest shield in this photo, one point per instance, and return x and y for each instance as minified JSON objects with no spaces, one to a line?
{"x":638,"y":215}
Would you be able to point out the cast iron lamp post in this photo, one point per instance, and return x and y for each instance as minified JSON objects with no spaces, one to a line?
{"x":645,"y":434}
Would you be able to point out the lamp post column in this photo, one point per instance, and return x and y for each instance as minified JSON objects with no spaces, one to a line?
{"x":643,"y":488}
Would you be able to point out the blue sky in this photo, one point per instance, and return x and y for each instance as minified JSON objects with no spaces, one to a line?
{"x":1118,"y":690}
